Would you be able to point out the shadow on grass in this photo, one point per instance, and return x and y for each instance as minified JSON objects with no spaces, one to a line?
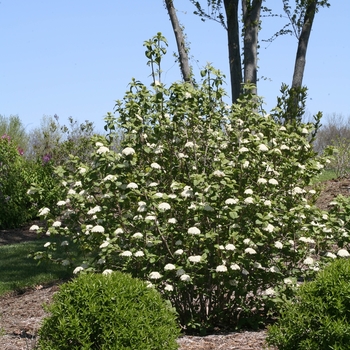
{"x":18,"y":271}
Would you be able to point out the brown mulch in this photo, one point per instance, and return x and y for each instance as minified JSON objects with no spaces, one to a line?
{"x":21,"y":314}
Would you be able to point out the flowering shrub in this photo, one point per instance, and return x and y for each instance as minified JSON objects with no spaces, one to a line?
{"x":207,"y":202}
{"x":14,"y":203}
{"x":109,"y":311}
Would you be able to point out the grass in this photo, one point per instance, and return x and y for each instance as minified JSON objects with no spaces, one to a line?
{"x":18,"y":271}
{"x":327,"y":174}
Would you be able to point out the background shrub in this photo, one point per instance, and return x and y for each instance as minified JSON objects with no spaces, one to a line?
{"x":108,"y":312}
{"x":15,"y":206}
{"x":319,"y":316}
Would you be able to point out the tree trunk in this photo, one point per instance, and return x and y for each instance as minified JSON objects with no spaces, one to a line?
{"x":251,"y":19}
{"x":300,"y":59}
{"x":234,"y":53}
{"x":180,"y":41}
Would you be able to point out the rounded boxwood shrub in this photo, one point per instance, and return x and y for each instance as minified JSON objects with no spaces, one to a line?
{"x":319,"y":317}
{"x":108,"y":311}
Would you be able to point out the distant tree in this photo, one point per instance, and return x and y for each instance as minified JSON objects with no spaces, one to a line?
{"x":13,"y":127}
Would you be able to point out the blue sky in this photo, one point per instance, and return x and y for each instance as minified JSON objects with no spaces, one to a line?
{"x":76,"y":57}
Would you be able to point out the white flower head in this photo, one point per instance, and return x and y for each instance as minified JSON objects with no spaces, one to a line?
{"x":78,"y":269}
{"x":219,"y":173}
{"x":297,"y":190}
{"x":164,"y":206}
{"x":155,"y":275}
{"x":137,"y":235}
{"x":246,"y":164}
{"x":267,"y":203}
{"x":107,"y":272}
{"x":249,"y":200}
{"x":98,"y":229}
{"x":155,"y":166}
{"x":189,"y":144}
{"x":34,"y":228}
{"x":102,"y":150}
{"x":128,"y":151}
{"x":330,"y":255}
{"x":195,"y":258}
{"x":230,"y":246}
{"x":194,"y":231}
{"x":169,"y":267}
{"x":182,"y":155}
{"x":247,"y":241}
{"x":60,"y":203}
{"x":110,"y":178}
{"x":118,"y":231}
{"x":172,"y":221}
{"x":270,"y":292}
{"x":250,"y":251}
{"x":94,"y":210}
{"x":343,"y":253}
{"x":262,"y":148}
{"x":151,"y":218}
{"x":43,"y":211}
{"x":235,"y":267}
{"x":47,"y":244}
{"x":243,"y":150}
{"x":139,"y":253}
{"x":257,"y":265}
{"x":230,"y":201}
{"x":185,"y":278}
{"x":269,"y":228}
{"x":278,"y":245}
{"x":126,"y":253}
{"x":187,"y":192}
{"x":82,"y":170}
{"x":168,"y":288}
{"x":309,"y":261}
{"x":152,"y":184}
{"x":132,"y":185}
{"x":178,"y":252}
{"x":273,"y":182}
{"x":248,"y":191}
{"x":262,"y":181}
{"x":221,"y":268}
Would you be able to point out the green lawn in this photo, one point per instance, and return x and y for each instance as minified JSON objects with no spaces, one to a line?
{"x":327,"y":174}
{"x":18,"y":271}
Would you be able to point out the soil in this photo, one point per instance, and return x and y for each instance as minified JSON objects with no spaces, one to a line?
{"x":22,"y":312}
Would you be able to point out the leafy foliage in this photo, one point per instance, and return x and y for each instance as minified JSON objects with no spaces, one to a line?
{"x":111,"y":311}
{"x":210,"y":203}
{"x":318,"y":317}
{"x":14,"y":203}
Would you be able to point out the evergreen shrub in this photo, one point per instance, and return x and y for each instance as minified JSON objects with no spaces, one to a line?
{"x":109,"y":311}
{"x":319,"y":316}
